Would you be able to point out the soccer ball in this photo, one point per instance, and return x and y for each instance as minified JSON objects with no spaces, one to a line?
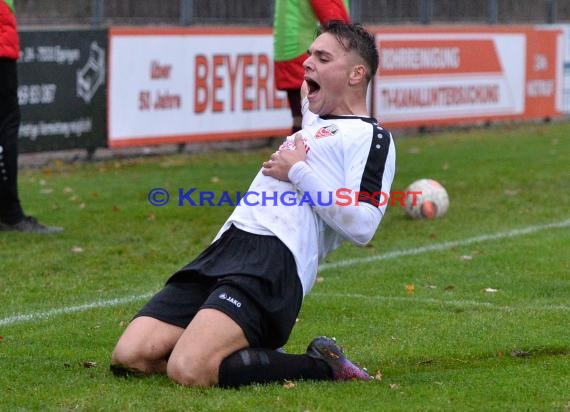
{"x":426,"y":199}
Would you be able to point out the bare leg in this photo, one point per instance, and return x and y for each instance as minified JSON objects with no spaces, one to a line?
{"x":145,"y":346}
{"x":209,"y":339}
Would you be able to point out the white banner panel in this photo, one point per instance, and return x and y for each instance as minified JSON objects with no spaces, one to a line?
{"x":175,"y":85}
{"x":464,"y":75}
{"x":443,"y":76}
{"x":186,"y":85}
{"x":565,"y":67}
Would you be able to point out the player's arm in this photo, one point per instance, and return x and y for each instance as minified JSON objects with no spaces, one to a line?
{"x":356,"y":222}
{"x":326,"y":10}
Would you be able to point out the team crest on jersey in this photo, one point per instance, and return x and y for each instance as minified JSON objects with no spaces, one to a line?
{"x":326,"y":131}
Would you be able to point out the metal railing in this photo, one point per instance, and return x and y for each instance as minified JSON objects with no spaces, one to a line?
{"x":260,"y":12}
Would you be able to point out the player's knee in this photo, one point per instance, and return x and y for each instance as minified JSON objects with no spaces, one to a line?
{"x":188,"y":373}
{"x":125,"y":357}
{"x":133,"y":356}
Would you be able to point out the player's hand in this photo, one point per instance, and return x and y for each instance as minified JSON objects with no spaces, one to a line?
{"x":280,"y":162}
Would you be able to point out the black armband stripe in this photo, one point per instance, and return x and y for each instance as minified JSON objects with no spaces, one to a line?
{"x":371,"y":183}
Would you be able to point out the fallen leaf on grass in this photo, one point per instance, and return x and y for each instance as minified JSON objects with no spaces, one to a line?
{"x":410,"y":288}
{"x":394,"y":386}
{"x":76,"y":249}
{"x":378,"y":376}
{"x":58,"y":164}
{"x":288,"y":385}
{"x":89,"y":364}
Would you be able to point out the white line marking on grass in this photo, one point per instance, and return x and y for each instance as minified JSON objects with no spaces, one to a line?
{"x":30,"y":317}
{"x":432,"y":301}
{"x":444,"y":246}
{"x":37,"y":316}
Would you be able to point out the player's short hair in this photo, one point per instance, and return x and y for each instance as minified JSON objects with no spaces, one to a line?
{"x":353,"y":36}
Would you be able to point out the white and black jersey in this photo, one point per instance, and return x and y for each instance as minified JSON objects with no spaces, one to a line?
{"x":317,"y":210}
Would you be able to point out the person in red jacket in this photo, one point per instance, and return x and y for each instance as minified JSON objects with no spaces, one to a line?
{"x":12,"y":217}
{"x":294,"y":27}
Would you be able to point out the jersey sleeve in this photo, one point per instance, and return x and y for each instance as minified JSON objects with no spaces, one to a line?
{"x":357,"y":208}
{"x":330,"y":10}
{"x":370,"y":168}
{"x":357,"y":223}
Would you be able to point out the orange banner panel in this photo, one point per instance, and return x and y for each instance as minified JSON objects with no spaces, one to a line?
{"x":421,"y":57}
{"x":541,"y":80}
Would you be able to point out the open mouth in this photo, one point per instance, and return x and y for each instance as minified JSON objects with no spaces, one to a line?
{"x":314,"y":87}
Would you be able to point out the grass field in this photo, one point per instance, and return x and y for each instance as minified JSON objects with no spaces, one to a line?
{"x":467,"y":313}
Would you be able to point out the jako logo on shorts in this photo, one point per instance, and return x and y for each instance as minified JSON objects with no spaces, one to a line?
{"x":234,"y":301}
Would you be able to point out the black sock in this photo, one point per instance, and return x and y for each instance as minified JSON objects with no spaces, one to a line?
{"x":256,"y":365}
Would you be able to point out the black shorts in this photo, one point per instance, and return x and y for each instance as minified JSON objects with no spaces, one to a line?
{"x":251,"y":278}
